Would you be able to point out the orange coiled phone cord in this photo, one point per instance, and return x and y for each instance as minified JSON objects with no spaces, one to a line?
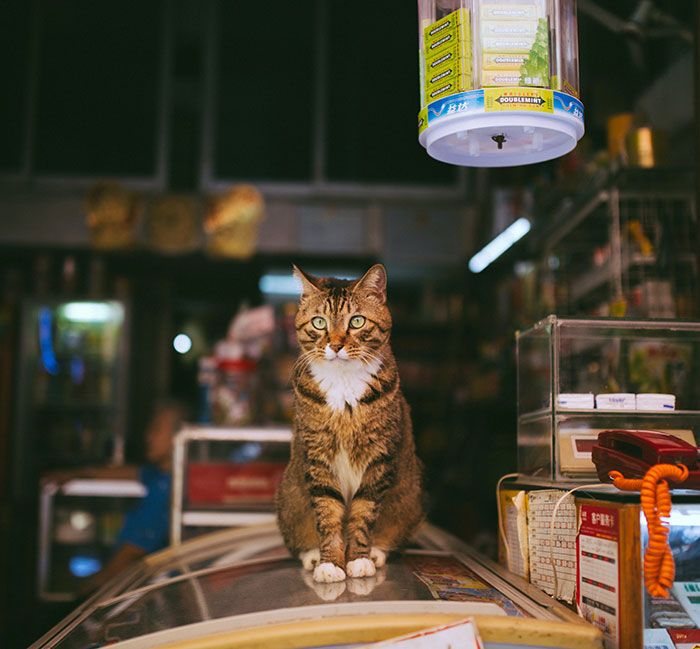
{"x":659,"y":568}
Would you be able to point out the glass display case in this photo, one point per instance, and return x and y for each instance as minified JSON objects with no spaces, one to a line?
{"x":577,"y":377}
{"x":225,"y":477}
{"x":227,"y":590}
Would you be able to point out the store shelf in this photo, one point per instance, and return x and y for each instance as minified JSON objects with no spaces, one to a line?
{"x":226,"y":519}
{"x":608,"y":272}
{"x":546,"y":412}
{"x":108,"y":488}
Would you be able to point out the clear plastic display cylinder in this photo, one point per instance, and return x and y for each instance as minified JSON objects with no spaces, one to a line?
{"x":498,"y":81}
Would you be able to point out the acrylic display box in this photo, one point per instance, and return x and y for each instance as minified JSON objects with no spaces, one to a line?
{"x":577,"y":377}
{"x":498,"y":81}
{"x":225,"y":477}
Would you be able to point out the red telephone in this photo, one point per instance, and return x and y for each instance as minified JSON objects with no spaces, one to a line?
{"x":634,"y":452}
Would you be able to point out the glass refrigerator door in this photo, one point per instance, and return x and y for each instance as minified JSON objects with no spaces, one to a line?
{"x":72,"y":378}
{"x":79,"y":525}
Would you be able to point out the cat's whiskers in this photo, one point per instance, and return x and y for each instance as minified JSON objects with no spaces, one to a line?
{"x":305,"y":359}
{"x":368,"y":357}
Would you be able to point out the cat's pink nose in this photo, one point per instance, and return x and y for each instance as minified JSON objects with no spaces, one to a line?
{"x":336,"y":347}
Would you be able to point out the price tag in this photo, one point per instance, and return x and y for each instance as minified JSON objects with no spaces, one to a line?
{"x":458,"y":635}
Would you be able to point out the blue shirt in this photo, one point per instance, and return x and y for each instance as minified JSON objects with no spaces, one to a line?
{"x":147,"y":525}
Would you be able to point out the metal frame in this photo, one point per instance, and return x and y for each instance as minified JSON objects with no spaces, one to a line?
{"x":157,"y":182}
{"x":319,"y":186}
{"x":179,"y":518}
{"x":612,"y":200}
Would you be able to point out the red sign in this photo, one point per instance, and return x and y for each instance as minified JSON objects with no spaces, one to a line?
{"x":216,"y":483}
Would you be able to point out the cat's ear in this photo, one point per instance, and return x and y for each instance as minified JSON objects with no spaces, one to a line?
{"x":309,"y":283}
{"x":373,"y":283}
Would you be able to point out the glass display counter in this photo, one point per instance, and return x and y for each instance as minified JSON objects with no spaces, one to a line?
{"x":230,"y":589}
{"x":577,"y":377}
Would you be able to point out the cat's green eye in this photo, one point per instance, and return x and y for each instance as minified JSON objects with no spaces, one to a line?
{"x":357,"y":321}
{"x":318,"y":322}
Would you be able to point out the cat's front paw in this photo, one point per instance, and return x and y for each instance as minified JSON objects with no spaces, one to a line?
{"x":328,"y":573}
{"x":378,"y":557}
{"x":360,"y":568}
{"x":310,"y":559}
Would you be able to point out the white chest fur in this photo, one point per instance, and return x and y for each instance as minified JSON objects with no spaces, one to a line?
{"x":349,"y":476}
{"x":343,"y":381}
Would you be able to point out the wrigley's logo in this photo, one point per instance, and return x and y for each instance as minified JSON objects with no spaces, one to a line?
{"x":442,"y":75}
{"x":441,"y":59}
{"x":438,"y":28}
{"x":441,"y":91}
{"x":508,"y":59}
{"x":444,"y":39}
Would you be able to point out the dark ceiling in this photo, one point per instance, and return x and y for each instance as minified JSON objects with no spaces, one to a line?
{"x":286,"y":91}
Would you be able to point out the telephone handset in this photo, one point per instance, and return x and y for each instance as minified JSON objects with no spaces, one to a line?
{"x":634,"y":452}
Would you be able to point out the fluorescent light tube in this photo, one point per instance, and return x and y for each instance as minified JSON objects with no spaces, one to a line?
{"x":280,"y":285}
{"x":499,"y":245}
{"x":92,"y":311}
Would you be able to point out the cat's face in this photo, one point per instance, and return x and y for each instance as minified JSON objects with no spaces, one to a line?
{"x":341,"y":320}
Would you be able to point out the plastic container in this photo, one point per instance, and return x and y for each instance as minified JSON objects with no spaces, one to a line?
{"x":498,"y":81}
{"x":576,"y":400}
{"x":656,"y":401}
{"x":234,"y":395}
{"x":615,"y":401}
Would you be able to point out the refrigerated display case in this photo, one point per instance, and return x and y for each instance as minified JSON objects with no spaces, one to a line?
{"x":240,"y":588}
{"x":79,"y":522}
{"x":72,"y":370}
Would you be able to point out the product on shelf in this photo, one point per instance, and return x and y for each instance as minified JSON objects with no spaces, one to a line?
{"x":446,"y":58}
{"x":514,"y":45}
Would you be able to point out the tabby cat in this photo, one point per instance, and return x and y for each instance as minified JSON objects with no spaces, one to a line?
{"x":351,"y":491}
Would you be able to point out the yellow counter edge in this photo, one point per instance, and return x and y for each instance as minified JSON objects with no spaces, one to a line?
{"x":526,"y":632}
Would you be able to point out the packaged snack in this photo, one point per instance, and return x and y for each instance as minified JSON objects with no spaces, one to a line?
{"x":445,"y":58}
{"x":457,"y":72}
{"x":503,"y":60}
{"x":503,"y":11}
{"x":500,"y":78}
{"x":526,"y":28}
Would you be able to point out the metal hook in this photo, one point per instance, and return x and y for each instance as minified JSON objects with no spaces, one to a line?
{"x":499,"y":139}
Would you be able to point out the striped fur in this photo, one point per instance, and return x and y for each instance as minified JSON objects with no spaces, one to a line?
{"x":352,"y":486}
